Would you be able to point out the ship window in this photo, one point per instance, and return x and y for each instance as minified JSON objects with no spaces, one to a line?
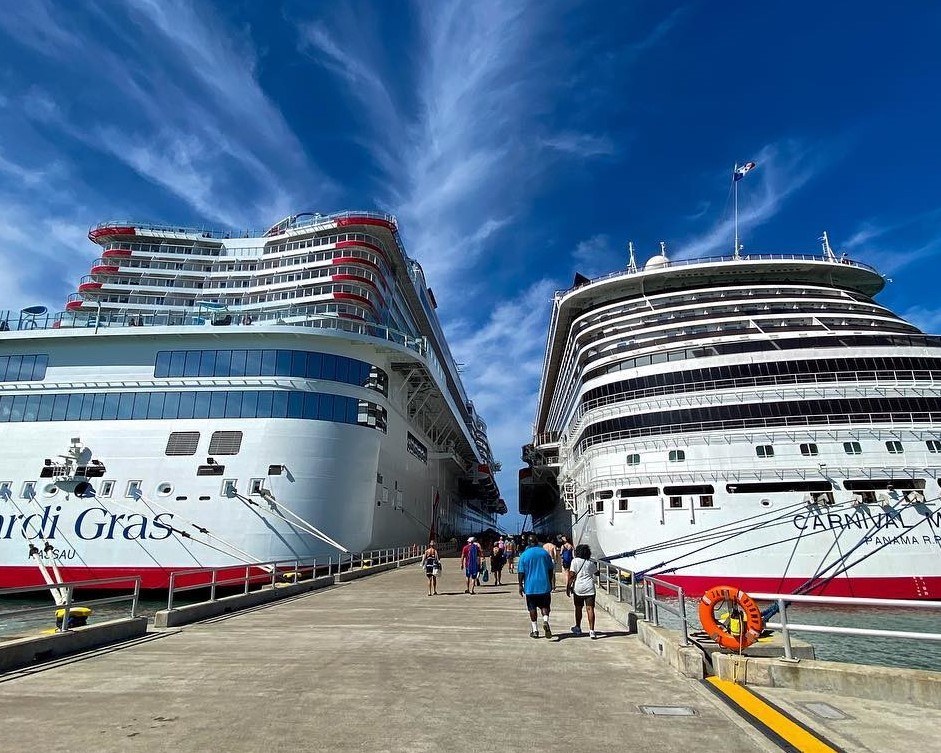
{"x":106,"y":489}
{"x":256,"y":485}
{"x":706,"y":500}
{"x":133,"y":490}
{"x":765,"y":451}
{"x":29,"y":490}
{"x":225,"y":443}
{"x":622,"y":505}
{"x":633,"y":459}
{"x":933,"y":445}
{"x":607,"y":494}
{"x":182,"y":443}
{"x":599,"y":505}
{"x":646,"y":491}
{"x":676,"y":503}
{"x":894,"y":447}
{"x":852,"y":448}
{"x":677,"y":456}
{"x":809,"y":449}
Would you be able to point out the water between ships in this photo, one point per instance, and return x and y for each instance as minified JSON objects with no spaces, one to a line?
{"x":890,"y":652}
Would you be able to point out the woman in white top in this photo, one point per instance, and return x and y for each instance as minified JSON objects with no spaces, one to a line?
{"x":581,"y":586}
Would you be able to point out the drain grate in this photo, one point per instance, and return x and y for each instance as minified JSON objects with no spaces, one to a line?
{"x":824,"y":711}
{"x":667,"y":710}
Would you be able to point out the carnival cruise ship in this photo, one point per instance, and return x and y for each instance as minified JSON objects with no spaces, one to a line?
{"x":213,"y":398}
{"x":756,"y":420}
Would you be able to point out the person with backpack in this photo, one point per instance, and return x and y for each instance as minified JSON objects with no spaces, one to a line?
{"x":581,"y":587}
{"x":470,"y":563}
{"x":432,"y":565}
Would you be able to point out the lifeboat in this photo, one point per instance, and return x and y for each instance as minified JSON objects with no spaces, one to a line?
{"x":73,"y":305}
{"x":109,"y":230}
{"x":85,"y":286}
{"x":347,"y":221}
{"x":105,"y":269}
{"x":113,"y":252}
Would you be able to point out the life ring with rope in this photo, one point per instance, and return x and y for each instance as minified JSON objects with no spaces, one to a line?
{"x":741,"y":623}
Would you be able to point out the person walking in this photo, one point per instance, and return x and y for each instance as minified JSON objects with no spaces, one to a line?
{"x":553,"y":551}
{"x":535,"y":572}
{"x":581,"y":586}
{"x":566,"y":555}
{"x":497,"y":560}
{"x":432,"y":564}
{"x":470,"y":563}
{"x":510,"y":552}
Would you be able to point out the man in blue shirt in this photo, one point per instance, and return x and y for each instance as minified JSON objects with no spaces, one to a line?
{"x":536,"y":572}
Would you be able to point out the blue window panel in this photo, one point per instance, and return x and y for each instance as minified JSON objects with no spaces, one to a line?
{"x":326,"y":407}
{"x":217,"y":404}
{"x":352,"y":411}
{"x":13,"y":369}
{"x":26,"y":368}
{"x":362,"y":374}
{"x":74,"y":410}
{"x":155,"y":409}
{"x":343,"y":369}
{"x":191,"y":367}
{"x":98,"y":406}
{"x":249,"y":404}
{"x":6,"y":408}
{"x":59,"y":407}
{"x":314,"y":365}
{"x":223,"y":362}
{"x":269,"y":360}
{"x":162,"y":364}
{"x":207,"y":364}
{"x":88,"y":408}
{"x":177,"y":363}
{"x":4,"y":360}
{"x":339,"y":408}
{"x":171,"y":405}
{"x":187,"y":403}
{"x":279,"y":404}
{"x":295,"y":405}
{"x":298,"y":363}
{"x":329,"y":368}
{"x":111,"y":407}
{"x":141,"y":404}
{"x":237,"y":367}
{"x":42,"y":363}
{"x":18,"y":411}
{"x":283,"y":364}
{"x":32,"y":407}
{"x":45,"y":408}
{"x":125,"y":406}
{"x":233,"y":404}
{"x":201,"y":406}
{"x":264,"y":404}
{"x":311,"y":402}
{"x":252,"y":363}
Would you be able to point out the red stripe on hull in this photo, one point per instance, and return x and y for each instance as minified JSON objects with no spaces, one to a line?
{"x":347,"y":221}
{"x":151,"y":577}
{"x":910,"y":587}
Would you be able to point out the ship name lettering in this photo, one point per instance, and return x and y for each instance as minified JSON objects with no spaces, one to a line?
{"x":860,"y":519}
{"x":97,"y":523}
{"x":35,"y":525}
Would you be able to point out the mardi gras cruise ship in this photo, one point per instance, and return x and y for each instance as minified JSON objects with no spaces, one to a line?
{"x":212,"y":398}
{"x":759,"y":420}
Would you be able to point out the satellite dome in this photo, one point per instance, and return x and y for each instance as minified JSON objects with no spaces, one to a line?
{"x":660,"y":260}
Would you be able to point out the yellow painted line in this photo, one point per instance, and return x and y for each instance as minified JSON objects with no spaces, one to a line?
{"x":794,"y":734}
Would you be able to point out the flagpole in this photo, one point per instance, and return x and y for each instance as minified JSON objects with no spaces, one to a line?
{"x":735,"y":191}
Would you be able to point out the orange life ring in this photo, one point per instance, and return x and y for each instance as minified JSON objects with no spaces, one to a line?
{"x":741,"y":627}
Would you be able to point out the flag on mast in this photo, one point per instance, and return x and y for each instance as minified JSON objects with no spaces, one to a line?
{"x":740,"y":171}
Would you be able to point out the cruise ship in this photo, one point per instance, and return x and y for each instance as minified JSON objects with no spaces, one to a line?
{"x":214,"y":398}
{"x":754,"y":420}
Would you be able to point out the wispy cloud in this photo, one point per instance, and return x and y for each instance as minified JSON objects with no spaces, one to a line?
{"x":875,"y":241}
{"x":596,"y":255}
{"x":783,"y":168}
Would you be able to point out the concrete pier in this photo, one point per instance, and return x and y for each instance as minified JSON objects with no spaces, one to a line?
{"x":377,"y":665}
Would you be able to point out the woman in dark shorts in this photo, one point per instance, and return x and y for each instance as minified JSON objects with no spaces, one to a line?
{"x":432,"y":564}
{"x":581,"y":587}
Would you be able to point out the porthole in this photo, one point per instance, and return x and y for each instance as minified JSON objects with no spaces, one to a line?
{"x":165,"y":489}
{"x":765,"y":502}
{"x":50,"y":490}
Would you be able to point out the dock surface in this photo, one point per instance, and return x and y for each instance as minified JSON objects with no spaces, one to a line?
{"x":377,"y":665}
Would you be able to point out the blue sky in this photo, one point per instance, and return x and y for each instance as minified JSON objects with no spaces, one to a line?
{"x":517,"y":142}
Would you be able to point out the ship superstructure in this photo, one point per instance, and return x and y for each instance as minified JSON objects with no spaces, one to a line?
{"x":211,"y":398}
{"x":757,"y":419}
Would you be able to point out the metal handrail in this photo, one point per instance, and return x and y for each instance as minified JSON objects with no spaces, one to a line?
{"x":653,"y":605}
{"x":608,"y":574}
{"x":783,"y":600}
{"x":69,"y":588}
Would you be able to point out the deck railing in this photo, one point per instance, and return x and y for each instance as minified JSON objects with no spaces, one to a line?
{"x":70,"y":603}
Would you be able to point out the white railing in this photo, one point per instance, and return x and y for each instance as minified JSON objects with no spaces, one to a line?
{"x":70,"y":603}
{"x":785,"y":626}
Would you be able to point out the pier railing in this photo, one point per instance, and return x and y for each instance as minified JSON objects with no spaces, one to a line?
{"x":70,"y":604}
{"x":268,"y":574}
{"x":653,"y":605}
{"x":785,"y":626}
